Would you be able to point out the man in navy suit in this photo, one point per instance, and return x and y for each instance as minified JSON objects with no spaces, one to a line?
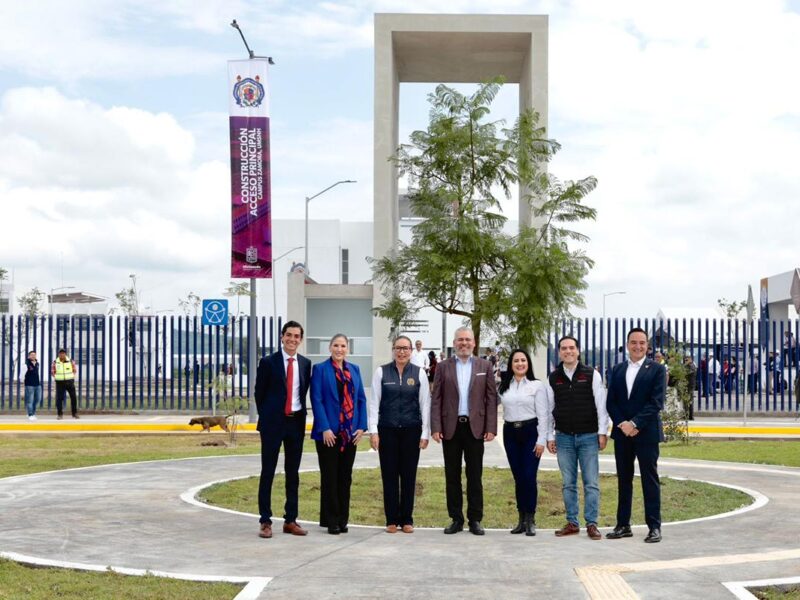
{"x":281,"y":389}
{"x":634,"y":401}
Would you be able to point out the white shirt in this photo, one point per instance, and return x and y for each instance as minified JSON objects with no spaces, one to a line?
{"x":296,"y":405}
{"x":525,"y":400}
{"x":713,"y":367}
{"x":599,"y":393}
{"x":463,"y":376}
{"x":420,"y":358}
{"x":373,"y":407}
{"x":631,"y":372}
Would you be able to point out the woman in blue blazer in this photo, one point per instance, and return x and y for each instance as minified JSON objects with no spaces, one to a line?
{"x":340,"y":419}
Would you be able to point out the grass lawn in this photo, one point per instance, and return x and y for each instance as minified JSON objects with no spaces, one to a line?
{"x":777,"y":593}
{"x":31,"y":453}
{"x":20,"y":581}
{"x":680,"y":499}
{"x":764,"y":452}
{"x":24,"y":453}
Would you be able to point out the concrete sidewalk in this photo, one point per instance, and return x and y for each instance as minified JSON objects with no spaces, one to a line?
{"x":142,"y":516}
{"x":156,"y":422}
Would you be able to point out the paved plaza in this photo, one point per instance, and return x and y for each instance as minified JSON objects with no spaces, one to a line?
{"x":142,"y":516}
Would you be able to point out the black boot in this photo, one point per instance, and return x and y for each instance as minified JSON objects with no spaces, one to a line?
{"x":520,"y":528}
{"x":530,"y":525}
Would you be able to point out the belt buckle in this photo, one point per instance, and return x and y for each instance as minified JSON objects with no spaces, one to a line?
{"x":517,"y":424}
{"x":463,"y":419}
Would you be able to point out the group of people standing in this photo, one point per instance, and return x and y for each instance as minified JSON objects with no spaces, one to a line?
{"x":568,"y":414}
{"x":63,"y":371}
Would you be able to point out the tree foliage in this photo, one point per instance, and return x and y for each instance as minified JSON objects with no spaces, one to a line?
{"x":733,"y":308}
{"x":460,"y":261}
{"x":237,"y":289}
{"x":190,"y":304}
{"x":31,"y":302}
{"x":128,"y":302}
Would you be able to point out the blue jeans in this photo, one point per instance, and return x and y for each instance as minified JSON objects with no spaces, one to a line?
{"x":573,"y":450}
{"x":33,"y":398}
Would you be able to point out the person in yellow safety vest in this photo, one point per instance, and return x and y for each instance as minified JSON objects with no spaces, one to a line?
{"x":63,"y":371}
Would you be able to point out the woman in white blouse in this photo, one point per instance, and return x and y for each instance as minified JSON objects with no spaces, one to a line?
{"x":524,"y":433}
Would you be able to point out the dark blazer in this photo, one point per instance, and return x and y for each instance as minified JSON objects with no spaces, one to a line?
{"x":482,"y":398}
{"x":325,"y":399}
{"x":271,"y":389}
{"x":645,"y":403}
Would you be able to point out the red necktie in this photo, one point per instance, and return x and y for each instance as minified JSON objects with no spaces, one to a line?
{"x":289,"y":385}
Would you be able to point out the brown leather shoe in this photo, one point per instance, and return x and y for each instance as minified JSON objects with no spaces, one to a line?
{"x":408,"y":528}
{"x":265,"y":530}
{"x":294,"y":529}
{"x":391,"y":529}
{"x":568,"y":529}
{"x":592,"y":532}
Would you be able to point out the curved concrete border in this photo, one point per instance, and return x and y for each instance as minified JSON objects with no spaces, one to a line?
{"x":759,"y":500}
{"x":251,"y":591}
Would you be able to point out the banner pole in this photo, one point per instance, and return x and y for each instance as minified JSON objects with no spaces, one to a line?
{"x":252,"y":352}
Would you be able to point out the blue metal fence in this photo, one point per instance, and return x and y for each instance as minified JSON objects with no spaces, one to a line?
{"x":773,"y":356}
{"x":168,"y":362}
{"x":131,"y":363}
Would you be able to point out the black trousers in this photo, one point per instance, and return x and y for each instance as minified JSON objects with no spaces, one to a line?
{"x":336,"y":476}
{"x":463,"y":444}
{"x":626,"y":450}
{"x":291,"y":435}
{"x":62,"y":389}
{"x":399,"y":456}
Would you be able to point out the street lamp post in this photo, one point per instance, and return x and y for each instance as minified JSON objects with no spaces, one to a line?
{"x":309,"y":199}
{"x":274,"y":285}
{"x":604,"y":301}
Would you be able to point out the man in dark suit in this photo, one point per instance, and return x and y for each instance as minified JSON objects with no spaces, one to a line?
{"x":634,"y":401}
{"x":463,"y":417}
{"x":281,"y":388}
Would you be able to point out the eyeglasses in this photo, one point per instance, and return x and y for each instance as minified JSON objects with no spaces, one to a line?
{"x":402,"y":348}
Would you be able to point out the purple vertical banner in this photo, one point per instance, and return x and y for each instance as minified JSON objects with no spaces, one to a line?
{"x":251,"y":223}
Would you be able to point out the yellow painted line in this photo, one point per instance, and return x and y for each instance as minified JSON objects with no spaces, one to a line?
{"x":710,"y":561}
{"x":745,"y":430}
{"x":605,"y":582}
{"x":83,"y":426}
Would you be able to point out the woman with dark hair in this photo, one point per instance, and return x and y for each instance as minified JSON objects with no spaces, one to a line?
{"x":340,"y":419}
{"x":524,"y":400}
{"x":432,"y":362}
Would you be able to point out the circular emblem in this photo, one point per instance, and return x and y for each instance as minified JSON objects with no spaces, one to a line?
{"x":248,"y":92}
{"x":410,"y":381}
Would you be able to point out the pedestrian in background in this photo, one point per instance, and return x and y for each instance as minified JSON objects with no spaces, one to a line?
{"x":63,"y":371}
{"x":33,"y":386}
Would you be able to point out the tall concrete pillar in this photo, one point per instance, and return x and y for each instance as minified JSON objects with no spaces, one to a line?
{"x":445,"y":49}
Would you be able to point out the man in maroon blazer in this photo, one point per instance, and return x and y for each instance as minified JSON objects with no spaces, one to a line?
{"x":463,"y":417}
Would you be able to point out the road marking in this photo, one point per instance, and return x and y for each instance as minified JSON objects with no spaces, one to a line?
{"x":739,"y":588}
{"x":605,"y":582}
{"x":251,"y":591}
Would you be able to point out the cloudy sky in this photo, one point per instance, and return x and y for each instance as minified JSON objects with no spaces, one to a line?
{"x":113,"y":136}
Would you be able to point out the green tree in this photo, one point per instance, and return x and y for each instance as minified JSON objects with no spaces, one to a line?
{"x":460,"y":261}
{"x":731,"y":309}
{"x":31,"y":303}
{"x":3,"y":277}
{"x":128,"y":302}
{"x":190,"y":304}
{"x":678,"y":397}
{"x":237,"y":289}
